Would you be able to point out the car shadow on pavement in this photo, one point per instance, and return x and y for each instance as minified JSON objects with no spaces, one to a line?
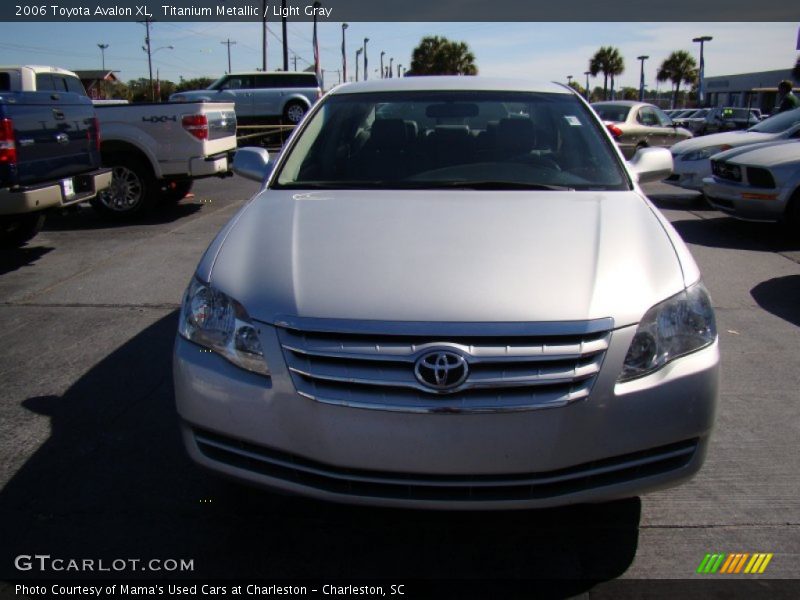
{"x":726,"y":232}
{"x":85,"y":217}
{"x":113,"y":481}
{"x":16,"y":258}
{"x":780,"y":296}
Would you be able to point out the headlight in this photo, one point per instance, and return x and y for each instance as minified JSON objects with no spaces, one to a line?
{"x":704,"y":153}
{"x":673,"y":328}
{"x":218,"y":322}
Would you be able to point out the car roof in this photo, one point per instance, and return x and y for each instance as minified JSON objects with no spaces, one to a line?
{"x":38,"y":69}
{"x":450,"y":83}
{"x":271,"y":73}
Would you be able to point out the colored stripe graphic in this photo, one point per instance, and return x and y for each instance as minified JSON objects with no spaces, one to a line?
{"x":730,"y":564}
{"x":741,"y":563}
{"x":704,"y":564}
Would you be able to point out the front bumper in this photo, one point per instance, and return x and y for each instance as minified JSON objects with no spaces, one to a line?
{"x":623,"y":440}
{"x":27,"y":199}
{"x":689,"y":174}
{"x":746,"y":202}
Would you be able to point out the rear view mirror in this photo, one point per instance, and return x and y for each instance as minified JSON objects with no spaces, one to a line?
{"x":652,"y":164}
{"x":252,"y":163}
{"x":451,"y":110}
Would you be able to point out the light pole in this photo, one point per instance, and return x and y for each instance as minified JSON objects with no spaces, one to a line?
{"x":344,"y":54}
{"x":391,"y":72}
{"x":152,"y":89}
{"x":701,"y":80}
{"x":399,"y":66}
{"x":103,"y":54}
{"x":365,"y":59}
{"x":382,"y":71}
{"x":641,"y":77}
{"x":587,"y":73}
{"x":358,"y":53}
{"x":569,"y":80}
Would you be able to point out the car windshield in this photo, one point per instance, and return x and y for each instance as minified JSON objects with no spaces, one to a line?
{"x":458,"y":139}
{"x":778,"y":123}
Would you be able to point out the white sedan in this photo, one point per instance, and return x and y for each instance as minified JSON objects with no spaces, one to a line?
{"x":691,"y":158}
{"x":757,"y":183}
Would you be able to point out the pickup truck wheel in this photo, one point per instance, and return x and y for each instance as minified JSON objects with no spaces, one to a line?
{"x":175,"y":191}
{"x":133,"y":188}
{"x":294,"y":112}
{"x":16,"y":230}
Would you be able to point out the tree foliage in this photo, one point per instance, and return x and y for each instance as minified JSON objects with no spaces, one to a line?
{"x":679,"y":67}
{"x":198,"y":83}
{"x":608,"y":61}
{"x":439,"y":56}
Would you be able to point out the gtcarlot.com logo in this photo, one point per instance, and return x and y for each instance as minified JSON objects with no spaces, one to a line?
{"x":46,"y":563}
{"x":741,"y":563}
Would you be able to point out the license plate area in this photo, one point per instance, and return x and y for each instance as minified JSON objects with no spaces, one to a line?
{"x":68,"y":189}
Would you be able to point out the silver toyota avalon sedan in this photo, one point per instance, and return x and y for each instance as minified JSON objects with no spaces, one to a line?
{"x":450,"y":292}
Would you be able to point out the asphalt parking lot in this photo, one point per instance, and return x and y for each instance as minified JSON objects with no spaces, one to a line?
{"x":92,"y":466}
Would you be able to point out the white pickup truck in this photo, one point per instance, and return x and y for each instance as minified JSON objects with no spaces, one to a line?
{"x":155,"y":150}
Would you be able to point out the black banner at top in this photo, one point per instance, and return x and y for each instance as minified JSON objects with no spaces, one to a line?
{"x":399,"y":10}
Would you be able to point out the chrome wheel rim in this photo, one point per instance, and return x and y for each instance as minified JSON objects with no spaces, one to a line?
{"x":125,"y":192}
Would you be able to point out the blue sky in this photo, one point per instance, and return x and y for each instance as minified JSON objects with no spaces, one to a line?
{"x":548,"y":51}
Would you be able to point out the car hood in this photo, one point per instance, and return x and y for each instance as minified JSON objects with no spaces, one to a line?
{"x":463,"y":256}
{"x":772,"y":154}
{"x":729,"y":138}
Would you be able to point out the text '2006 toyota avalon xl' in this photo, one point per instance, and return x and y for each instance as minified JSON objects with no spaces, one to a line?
{"x":450,"y":293}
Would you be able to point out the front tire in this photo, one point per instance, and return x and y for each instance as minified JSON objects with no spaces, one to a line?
{"x":133,"y":189}
{"x":18,"y":229}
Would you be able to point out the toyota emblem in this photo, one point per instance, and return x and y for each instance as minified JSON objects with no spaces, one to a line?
{"x":441,"y":370}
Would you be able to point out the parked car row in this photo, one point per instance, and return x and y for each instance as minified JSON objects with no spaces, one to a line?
{"x":752,"y":174}
{"x":637,"y":125}
{"x":703,"y":121}
{"x":50,"y":136}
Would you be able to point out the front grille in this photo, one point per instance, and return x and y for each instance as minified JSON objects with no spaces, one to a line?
{"x":725,"y":170}
{"x":411,"y":486}
{"x":760,"y":178}
{"x":506,"y":373}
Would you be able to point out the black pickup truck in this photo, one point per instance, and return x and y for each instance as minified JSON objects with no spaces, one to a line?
{"x":49,"y":158}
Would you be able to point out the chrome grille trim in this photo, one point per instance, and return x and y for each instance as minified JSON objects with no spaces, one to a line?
{"x":508,"y":373}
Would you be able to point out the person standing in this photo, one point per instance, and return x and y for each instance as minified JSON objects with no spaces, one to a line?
{"x":786,"y":98}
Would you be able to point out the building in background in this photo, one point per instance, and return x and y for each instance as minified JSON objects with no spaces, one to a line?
{"x":97,"y":82}
{"x":753,"y":90}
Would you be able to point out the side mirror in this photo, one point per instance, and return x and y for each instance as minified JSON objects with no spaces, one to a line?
{"x":651,"y":164}
{"x":252,"y":163}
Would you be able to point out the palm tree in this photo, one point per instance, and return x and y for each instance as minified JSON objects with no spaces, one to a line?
{"x":678,"y":67}
{"x":610,"y":63}
{"x":439,"y":56}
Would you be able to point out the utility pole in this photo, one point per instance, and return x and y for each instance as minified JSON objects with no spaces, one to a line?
{"x":588,"y":94}
{"x":285,"y":36}
{"x":229,"y":43}
{"x":383,"y":72}
{"x":146,"y":48}
{"x":391,"y":60}
{"x":264,"y":7}
{"x":294,"y":58}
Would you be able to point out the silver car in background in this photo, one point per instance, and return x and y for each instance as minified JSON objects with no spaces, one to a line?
{"x":637,"y":125}
{"x":759,"y":182}
{"x":449,"y":293}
